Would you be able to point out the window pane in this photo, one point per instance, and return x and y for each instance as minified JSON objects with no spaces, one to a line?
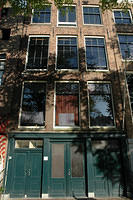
{"x":32,"y":144}
{"x":101,"y":113}
{"x":57,"y":160}
{"x":95,"y":53}
{"x":33,"y":104}
{"x":126,"y":46}
{"x":66,"y":15}
{"x":91,"y":15}
{"x":122,"y":17}
{"x":42,"y":16}
{"x":67,"y":53}
{"x":77,"y":161}
{"x":67,"y":104}
{"x":38,"y":50}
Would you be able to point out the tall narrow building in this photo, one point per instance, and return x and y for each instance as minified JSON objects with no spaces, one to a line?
{"x":66,"y":102}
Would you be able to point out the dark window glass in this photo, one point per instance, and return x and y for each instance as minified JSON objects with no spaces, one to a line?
{"x":38,"y":53}
{"x":33,"y":104}
{"x":130,"y":88}
{"x":6,"y":34}
{"x":95,"y":53}
{"x":91,"y":15}
{"x":42,"y":16}
{"x":67,"y":57}
{"x":100,"y":104}
{"x":67,"y":16}
{"x":126,"y":46}
{"x":122,"y":17}
{"x":67,"y":104}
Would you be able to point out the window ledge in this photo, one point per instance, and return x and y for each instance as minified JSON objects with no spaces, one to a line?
{"x":66,"y":127}
{"x":103,"y":128}
{"x":94,"y":25}
{"x":40,"y":24}
{"x":97,"y":70}
{"x":31,"y":128}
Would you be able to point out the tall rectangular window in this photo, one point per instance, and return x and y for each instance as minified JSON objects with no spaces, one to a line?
{"x":130,"y":88}
{"x":95,"y":53}
{"x":2,"y":66}
{"x":91,"y":15}
{"x":67,"y":56}
{"x":126,"y":46}
{"x":42,"y":16}
{"x":33,"y":104}
{"x":122,"y":17}
{"x":67,"y":104}
{"x":37,"y":53}
{"x":67,"y":16}
{"x":100,"y":104}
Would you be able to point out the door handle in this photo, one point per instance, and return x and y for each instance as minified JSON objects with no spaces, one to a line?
{"x":69,"y":172}
{"x":25,"y":172}
{"x":29,"y":172}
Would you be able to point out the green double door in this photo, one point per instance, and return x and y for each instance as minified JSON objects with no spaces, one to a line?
{"x":67,"y":171}
{"x":26,"y":180}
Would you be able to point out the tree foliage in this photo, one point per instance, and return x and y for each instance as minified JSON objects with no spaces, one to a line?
{"x":26,"y":6}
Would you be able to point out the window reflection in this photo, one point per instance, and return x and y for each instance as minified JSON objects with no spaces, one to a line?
{"x":100,"y":103}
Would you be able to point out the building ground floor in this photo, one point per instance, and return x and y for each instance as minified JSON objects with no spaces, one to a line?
{"x":65,"y":165}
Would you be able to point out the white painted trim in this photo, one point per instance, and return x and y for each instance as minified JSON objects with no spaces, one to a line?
{"x":54,"y":117}
{"x":113,"y":112}
{"x":72,"y":24}
{"x":66,"y":36}
{"x":92,"y":6}
{"x":21,"y":101}
{"x":27,"y":53}
{"x":127,"y":90}
{"x":106,"y":55}
{"x":121,"y":10}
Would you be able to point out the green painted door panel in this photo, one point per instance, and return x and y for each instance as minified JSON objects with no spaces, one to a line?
{"x":26,"y":174}
{"x":19,"y":176}
{"x":34,"y":174}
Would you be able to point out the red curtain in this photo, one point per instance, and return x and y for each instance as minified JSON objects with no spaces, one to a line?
{"x":67,"y":104}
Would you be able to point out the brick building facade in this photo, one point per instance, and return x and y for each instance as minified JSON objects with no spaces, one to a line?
{"x":66,"y":89}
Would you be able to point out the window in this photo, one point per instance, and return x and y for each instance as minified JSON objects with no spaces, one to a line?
{"x":67,"y":104}
{"x":42,"y":16}
{"x":100,"y":104}
{"x":67,"y":16}
{"x":67,"y":57}
{"x":2,"y":66}
{"x":95,"y":53}
{"x":130,"y":88}
{"x":122,"y":17}
{"x":126,"y":46}
{"x":5,"y":34}
{"x":37,"y":53}
{"x":91,"y":15}
{"x":33,"y":104}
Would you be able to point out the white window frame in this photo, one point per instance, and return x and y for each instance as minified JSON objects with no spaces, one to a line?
{"x":27,"y":54}
{"x":106,"y":55}
{"x":4,"y":61}
{"x":66,"y":36}
{"x":69,"y":24}
{"x":128,"y":94}
{"x":54,"y":121}
{"x":121,"y":10}
{"x":111,"y":94}
{"x":20,"y":111}
{"x":39,"y":22}
{"x":123,"y":60}
{"x":92,"y":7}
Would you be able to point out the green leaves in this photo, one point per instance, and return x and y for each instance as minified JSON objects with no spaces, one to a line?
{"x":25,"y":6}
